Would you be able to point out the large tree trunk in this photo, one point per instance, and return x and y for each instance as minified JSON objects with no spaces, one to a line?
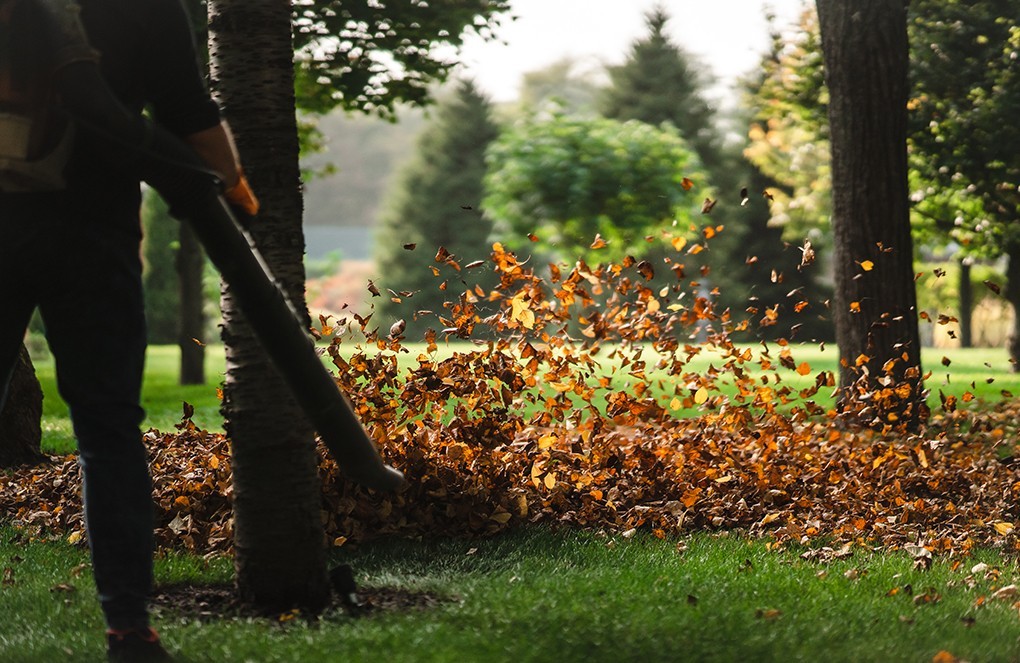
{"x":20,"y":420}
{"x":864,"y":44}
{"x":191,"y":322}
{"x":278,"y":535}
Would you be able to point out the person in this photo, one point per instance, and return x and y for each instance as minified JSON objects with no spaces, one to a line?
{"x":70,"y":247}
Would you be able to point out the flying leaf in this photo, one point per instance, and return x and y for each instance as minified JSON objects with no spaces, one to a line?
{"x":687,"y":184}
{"x":706,"y":207}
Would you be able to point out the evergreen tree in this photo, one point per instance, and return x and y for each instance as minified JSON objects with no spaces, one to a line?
{"x":749,"y":263}
{"x":437,"y":205}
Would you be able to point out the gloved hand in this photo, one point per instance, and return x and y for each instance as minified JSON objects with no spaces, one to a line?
{"x":242,"y":199}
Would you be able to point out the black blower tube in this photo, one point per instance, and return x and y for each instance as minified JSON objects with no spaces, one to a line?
{"x":193,"y":194}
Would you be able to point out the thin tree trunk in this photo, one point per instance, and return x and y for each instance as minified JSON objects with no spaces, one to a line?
{"x":1012,"y":294}
{"x":191,"y":338}
{"x":278,"y":534}
{"x":864,"y":44}
{"x":966,"y":306}
{"x":20,"y":420}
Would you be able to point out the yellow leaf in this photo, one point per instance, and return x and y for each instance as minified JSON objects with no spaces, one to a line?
{"x":546,"y":441}
{"x":182,"y":502}
{"x":804,"y":368}
{"x":867,"y":265}
{"x":214,"y":461}
{"x":701,"y":395}
{"x":74,"y":537}
{"x":501,"y":517}
{"x":550,"y":480}
{"x":1003,"y":528}
{"x":770,"y":518}
{"x":679,"y":243}
{"x":675,"y":404}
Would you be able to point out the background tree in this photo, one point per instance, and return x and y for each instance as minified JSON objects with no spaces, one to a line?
{"x":964,"y":138}
{"x":437,"y":203}
{"x":567,"y":179}
{"x":875,"y":309}
{"x":160,"y":244}
{"x":565,"y":85}
{"x":660,"y":83}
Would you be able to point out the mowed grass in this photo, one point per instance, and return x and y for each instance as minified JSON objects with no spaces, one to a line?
{"x":536,"y":595}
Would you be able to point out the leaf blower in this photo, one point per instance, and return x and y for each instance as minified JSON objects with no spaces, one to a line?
{"x":193,"y":194}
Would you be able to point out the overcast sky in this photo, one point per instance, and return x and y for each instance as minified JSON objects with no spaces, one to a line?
{"x":728,"y":36}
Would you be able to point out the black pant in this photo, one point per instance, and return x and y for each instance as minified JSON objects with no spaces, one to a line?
{"x":81,"y":267}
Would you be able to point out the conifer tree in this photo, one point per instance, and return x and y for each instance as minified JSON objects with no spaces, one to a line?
{"x":436,"y":205}
{"x":659,"y":82}
{"x":749,"y":263}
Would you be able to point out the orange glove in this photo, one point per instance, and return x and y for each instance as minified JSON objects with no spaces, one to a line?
{"x":241,"y":196}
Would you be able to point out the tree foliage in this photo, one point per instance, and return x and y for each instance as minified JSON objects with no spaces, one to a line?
{"x":585,"y":183}
{"x":436,"y":209}
{"x":660,"y":82}
{"x":964,"y":134}
{"x":370,"y":56}
{"x":789,"y":131}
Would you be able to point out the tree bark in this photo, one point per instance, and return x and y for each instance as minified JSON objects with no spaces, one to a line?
{"x":191,"y":320}
{"x":864,"y":44}
{"x":966,"y":306}
{"x":20,"y":420}
{"x":278,"y":535}
{"x":1012,"y":294}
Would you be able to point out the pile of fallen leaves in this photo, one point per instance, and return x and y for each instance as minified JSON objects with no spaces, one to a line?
{"x":565,"y":412}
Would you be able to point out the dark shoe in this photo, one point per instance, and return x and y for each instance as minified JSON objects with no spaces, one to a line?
{"x":135,"y":646}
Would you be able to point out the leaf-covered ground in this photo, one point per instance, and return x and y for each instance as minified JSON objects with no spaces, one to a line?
{"x":565,"y":413}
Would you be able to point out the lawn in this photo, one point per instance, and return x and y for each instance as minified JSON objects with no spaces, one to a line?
{"x":534,"y":594}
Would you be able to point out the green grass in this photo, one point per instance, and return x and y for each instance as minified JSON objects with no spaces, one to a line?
{"x":538,"y":596}
{"x":162,"y":396}
{"x":541,"y":596}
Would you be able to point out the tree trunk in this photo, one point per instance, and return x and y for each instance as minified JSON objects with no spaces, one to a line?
{"x":966,"y":306}
{"x":278,"y":535}
{"x":1012,"y":294}
{"x":864,"y":44}
{"x":20,"y":420}
{"x":191,"y":321}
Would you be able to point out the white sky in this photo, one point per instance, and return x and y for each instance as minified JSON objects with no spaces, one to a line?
{"x":728,"y":36}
